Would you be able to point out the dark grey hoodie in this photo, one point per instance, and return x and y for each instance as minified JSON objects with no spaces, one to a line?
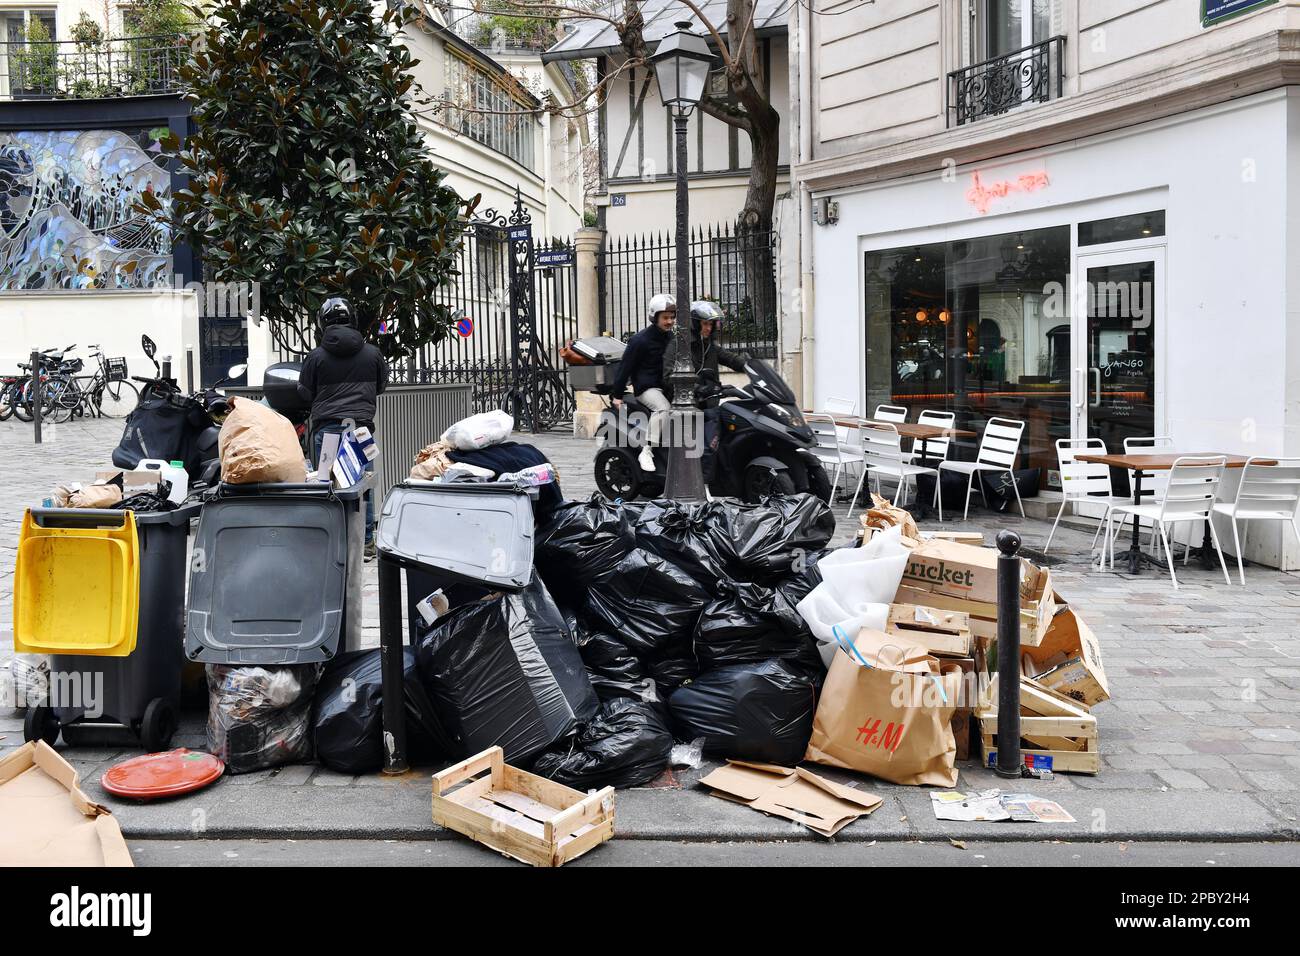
{"x":342,"y":377}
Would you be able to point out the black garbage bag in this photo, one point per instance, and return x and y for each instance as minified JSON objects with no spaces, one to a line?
{"x":627,"y":744}
{"x":760,"y":712}
{"x":751,"y":623}
{"x":260,"y":717}
{"x":803,"y":577}
{"x":504,"y":671}
{"x":612,"y":667}
{"x":680,"y":534}
{"x":673,"y":666}
{"x":766,"y":538}
{"x":953,"y":487}
{"x":349,"y":715}
{"x":646,"y":600}
{"x":578,"y":541}
{"x":1000,"y":494}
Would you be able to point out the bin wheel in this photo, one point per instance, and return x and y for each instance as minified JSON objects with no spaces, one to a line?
{"x":158,"y":725}
{"x":41,"y":724}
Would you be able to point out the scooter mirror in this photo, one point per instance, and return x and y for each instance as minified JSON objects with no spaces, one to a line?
{"x":235,"y":371}
{"x":150,"y":348}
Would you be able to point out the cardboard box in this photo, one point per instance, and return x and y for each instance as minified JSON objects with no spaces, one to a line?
{"x":1068,"y":660}
{"x":958,"y":577}
{"x":45,"y":819}
{"x":133,"y":481}
{"x":943,"y":633}
{"x":970,"y":696}
{"x":795,"y":794}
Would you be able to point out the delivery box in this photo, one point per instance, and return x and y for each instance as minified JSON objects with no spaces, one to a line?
{"x":959,"y":577}
{"x":1068,"y":660}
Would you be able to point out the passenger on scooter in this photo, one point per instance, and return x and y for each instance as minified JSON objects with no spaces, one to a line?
{"x":706,"y":356}
{"x":643,"y":366}
{"x":342,"y":378}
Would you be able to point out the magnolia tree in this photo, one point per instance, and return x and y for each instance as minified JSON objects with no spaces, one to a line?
{"x":308,"y":175}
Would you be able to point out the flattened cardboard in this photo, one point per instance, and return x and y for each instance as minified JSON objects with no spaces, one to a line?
{"x":1069,"y":659}
{"x":45,"y":819}
{"x":945,"y":633}
{"x":795,"y":794}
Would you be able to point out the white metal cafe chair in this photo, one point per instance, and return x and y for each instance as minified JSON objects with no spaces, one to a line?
{"x":935,"y":448}
{"x":889,"y":413}
{"x":1153,"y":482}
{"x":1189,"y":497}
{"x":883,"y":455}
{"x":841,"y":408}
{"x":1083,"y":481}
{"x":830,"y":451}
{"x":1269,"y":491}
{"x":999,"y":446}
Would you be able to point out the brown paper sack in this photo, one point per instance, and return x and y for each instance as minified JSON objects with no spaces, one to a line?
{"x":892,"y":719}
{"x":257,"y":444}
{"x":883,"y":515}
{"x":431,"y":461}
{"x":96,"y":496}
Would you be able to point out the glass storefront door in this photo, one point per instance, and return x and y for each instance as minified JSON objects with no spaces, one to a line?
{"x":1117,"y":336}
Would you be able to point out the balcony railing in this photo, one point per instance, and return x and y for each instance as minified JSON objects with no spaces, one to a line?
{"x":1030,"y":75}
{"x":128,"y":66}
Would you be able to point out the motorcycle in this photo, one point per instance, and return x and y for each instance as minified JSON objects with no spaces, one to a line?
{"x":764,"y":446}
{"x":170,"y":425}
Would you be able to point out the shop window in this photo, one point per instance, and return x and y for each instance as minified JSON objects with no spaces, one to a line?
{"x":980,"y":327}
{"x":1143,"y":225}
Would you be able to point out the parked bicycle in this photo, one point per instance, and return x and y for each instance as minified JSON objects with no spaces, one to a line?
{"x":64,"y":394}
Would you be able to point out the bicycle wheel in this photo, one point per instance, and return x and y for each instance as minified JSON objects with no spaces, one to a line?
{"x":59,"y":402}
{"x":22,"y":407}
{"x":8,"y":399}
{"x":117,"y":399}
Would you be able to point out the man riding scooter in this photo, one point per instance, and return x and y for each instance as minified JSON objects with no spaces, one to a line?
{"x":706,"y":356}
{"x":643,"y":366}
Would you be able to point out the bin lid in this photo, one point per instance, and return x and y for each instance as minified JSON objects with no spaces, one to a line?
{"x":166,"y":774}
{"x":481,"y":532}
{"x":268,"y":579}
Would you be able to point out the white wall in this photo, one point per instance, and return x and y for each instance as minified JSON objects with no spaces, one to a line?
{"x":1229,"y":351}
{"x":114,"y":320}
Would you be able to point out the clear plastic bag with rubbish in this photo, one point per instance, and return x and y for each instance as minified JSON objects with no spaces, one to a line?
{"x":260,"y":717}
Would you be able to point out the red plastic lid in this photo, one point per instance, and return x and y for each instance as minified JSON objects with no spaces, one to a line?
{"x":166,"y":774}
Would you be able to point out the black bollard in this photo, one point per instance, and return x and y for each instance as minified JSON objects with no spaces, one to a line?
{"x":391,"y":664}
{"x":1009,"y":763}
{"x":35,"y":394}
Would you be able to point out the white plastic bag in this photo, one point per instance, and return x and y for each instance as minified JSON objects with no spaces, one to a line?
{"x":479,"y":431}
{"x":858,"y":585}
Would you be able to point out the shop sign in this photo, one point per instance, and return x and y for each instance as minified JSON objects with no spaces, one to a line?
{"x":1216,"y":11}
{"x":981,"y":194}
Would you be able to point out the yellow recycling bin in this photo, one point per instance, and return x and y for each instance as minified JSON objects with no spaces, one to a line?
{"x":77,"y":583}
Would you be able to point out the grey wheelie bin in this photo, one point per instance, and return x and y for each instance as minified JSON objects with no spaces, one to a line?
{"x":275,"y":577}
{"x":76,"y":585}
{"x":443,"y":534}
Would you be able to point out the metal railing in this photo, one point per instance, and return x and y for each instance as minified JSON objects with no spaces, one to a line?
{"x":125,"y":66}
{"x":1033,"y":74}
{"x":735,"y":268}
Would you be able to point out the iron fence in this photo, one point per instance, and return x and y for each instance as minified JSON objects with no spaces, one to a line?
{"x":736,"y":268}
{"x":124,"y":66}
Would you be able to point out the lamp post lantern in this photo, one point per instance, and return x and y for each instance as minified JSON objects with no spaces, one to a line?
{"x":681,"y":63}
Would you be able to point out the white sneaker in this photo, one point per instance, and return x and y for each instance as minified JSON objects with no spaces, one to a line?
{"x":646,"y":459}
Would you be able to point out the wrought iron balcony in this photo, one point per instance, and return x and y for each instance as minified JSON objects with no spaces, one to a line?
{"x":126,"y":66}
{"x":1030,"y":75}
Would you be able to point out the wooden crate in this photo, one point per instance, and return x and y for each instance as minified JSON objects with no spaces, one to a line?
{"x":1062,"y":733}
{"x":522,"y":815}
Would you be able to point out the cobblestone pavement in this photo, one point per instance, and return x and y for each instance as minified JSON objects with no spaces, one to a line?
{"x":1201,"y":740}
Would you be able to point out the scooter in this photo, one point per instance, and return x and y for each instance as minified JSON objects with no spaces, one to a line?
{"x":764,"y":446}
{"x":172,"y":426}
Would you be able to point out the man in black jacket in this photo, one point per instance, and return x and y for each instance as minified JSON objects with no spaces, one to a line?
{"x":706,"y":356}
{"x":342,"y":378}
{"x":643,"y":366}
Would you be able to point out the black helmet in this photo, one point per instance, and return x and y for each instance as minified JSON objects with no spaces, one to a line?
{"x":703,"y":310}
{"x":335,"y":311}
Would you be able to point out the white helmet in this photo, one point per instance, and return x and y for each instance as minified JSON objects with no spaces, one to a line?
{"x":661,"y":303}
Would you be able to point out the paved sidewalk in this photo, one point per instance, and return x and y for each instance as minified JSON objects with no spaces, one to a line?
{"x":1202,"y":740}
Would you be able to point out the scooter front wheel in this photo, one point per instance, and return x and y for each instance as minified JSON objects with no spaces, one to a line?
{"x":617,"y":474}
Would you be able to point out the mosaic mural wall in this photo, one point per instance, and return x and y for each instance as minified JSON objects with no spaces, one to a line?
{"x":66,"y":210}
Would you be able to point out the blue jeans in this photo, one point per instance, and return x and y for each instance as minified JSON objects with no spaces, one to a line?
{"x":317,"y":439}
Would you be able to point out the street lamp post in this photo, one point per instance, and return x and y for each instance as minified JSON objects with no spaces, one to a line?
{"x":681,"y":63}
